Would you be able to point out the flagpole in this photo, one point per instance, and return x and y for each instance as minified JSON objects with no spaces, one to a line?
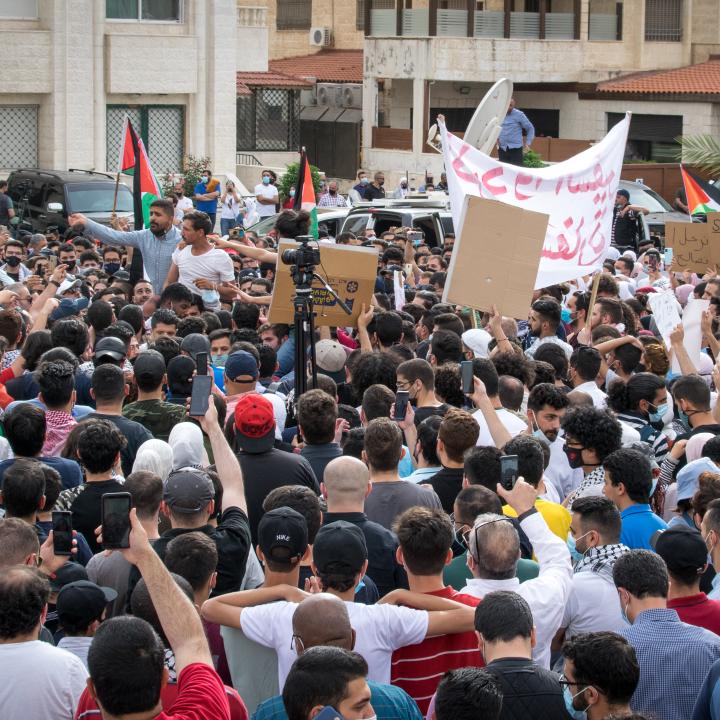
{"x":117,"y":185}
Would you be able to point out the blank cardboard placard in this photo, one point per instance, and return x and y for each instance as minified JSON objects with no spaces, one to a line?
{"x":696,"y":246}
{"x":496,"y":257}
{"x":349,"y":270}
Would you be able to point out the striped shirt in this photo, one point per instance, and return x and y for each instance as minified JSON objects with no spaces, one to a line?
{"x":418,"y":669}
{"x":157,"y":250}
{"x":651,"y":436}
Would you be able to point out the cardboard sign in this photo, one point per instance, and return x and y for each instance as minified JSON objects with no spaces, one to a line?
{"x":496,"y":257}
{"x":665,"y":311}
{"x":695,"y":246}
{"x":691,"y":320}
{"x":349,"y":270}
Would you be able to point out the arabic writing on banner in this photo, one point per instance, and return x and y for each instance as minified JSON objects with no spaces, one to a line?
{"x":578,"y":195}
{"x":696,"y":246}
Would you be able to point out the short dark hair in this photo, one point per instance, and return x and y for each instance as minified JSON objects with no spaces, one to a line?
{"x":467,"y":694}
{"x":354,"y":443}
{"x":503,"y":615}
{"x":632,"y":469}
{"x":126,"y":661}
{"x":10,"y":325}
{"x":486,"y":371}
{"x":291,"y":223}
{"x":18,"y":540}
{"x":99,"y":443}
{"x":549,"y":308}
{"x":624,"y":396}
{"x":425,"y":537}
{"x":199,"y":220}
{"x":167,"y":207}
{"x":175,"y":292}
{"x":515,"y":365}
{"x":24,"y":593}
{"x":388,"y":328}
{"x":190,"y":325}
{"x":427,"y":435}
{"x":418,"y":369}
{"x":377,"y":401}
{"x":586,"y":362}
{"x":611,"y":307}
{"x":146,"y":490}
{"x":56,"y":382}
{"x":100,"y":315}
{"x":133,"y":316}
{"x":164,"y":316}
{"x":530,"y":457}
{"x":301,"y":499}
{"x":141,"y":604}
{"x":459,"y":432}
{"x":711,"y":449}
{"x":642,"y":573}
{"x":601,"y":514}
{"x":194,"y":556}
{"x":547,"y":394}
{"x":372,"y":369}
{"x":596,"y":429}
{"x":246,"y":315}
{"x":607,"y":661}
{"x":108,"y":383}
{"x":23,"y":487}
{"x":320,"y":676}
{"x":693,"y":389}
{"x":168,"y":347}
{"x":476,"y":500}
{"x":555,"y":356}
{"x":383,"y":444}
{"x":25,"y":427}
{"x":316,"y":414}
{"x":446,"y":321}
{"x":448,"y":385}
{"x":482,"y":467}
{"x":70,"y":333}
{"x":511,"y":392}
{"x":628,"y":356}
{"x":446,"y":346}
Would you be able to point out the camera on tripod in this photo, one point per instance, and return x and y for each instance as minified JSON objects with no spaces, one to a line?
{"x":304,"y":256}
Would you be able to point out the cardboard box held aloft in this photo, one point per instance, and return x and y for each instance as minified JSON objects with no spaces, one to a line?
{"x":496,"y":257}
{"x":696,"y":246}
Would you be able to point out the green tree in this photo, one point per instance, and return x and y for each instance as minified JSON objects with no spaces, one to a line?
{"x":290,"y":179}
{"x":191,"y":172}
{"x":701,"y":151}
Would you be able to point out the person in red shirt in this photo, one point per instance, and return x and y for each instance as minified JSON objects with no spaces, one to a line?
{"x":684,"y":552}
{"x":126,"y":660}
{"x":426,"y":536}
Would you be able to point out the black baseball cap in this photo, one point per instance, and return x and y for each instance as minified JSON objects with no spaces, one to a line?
{"x":283,"y":535}
{"x":188,"y":490}
{"x":195,"y":343}
{"x":82,"y":601}
{"x":341,"y":544}
{"x":681,"y":547}
{"x":179,"y":375}
{"x":150,"y":366}
{"x":110,"y":347}
{"x":67,"y":573}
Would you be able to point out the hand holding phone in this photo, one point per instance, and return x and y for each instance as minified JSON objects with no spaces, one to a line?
{"x":201,"y":387}
{"x":116,"y":520}
{"x":62,"y":532}
{"x":402,"y":399}
{"x":508,"y":471}
{"x":467,"y":377}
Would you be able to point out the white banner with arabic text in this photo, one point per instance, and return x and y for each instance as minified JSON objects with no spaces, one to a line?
{"x":578,"y":194}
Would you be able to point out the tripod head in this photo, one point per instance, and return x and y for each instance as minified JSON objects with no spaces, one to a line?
{"x":302,"y":261}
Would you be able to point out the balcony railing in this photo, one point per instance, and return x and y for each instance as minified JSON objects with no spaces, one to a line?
{"x":384,"y":21}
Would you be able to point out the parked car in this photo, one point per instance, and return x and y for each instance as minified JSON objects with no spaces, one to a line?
{"x":330,"y":218}
{"x":48,"y":197}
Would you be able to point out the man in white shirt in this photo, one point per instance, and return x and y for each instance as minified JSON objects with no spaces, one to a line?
{"x":493,"y":553}
{"x":39,"y":680}
{"x":183,"y":203}
{"x":266,"y":195}
{"x":200,"y":266}
{"x":584,"y":368}
{"x":339,"y":564}
{"x":485,"y":370}
{"x":543,"y":321}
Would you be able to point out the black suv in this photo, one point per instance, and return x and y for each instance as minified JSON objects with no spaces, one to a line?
{"x":48,"y":197}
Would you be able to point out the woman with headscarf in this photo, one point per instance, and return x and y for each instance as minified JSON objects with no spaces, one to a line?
{"x":155,"y":456}
{"x":186,"y":442}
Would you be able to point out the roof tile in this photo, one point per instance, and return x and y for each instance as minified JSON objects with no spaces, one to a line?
{"x":325,"y":66}
{"x":700,"y":79}
{"x":270,"y":79}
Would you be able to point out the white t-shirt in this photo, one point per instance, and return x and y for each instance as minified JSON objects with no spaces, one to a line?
{"x":229,"y":208}
{"x":183,"y":204}
{"x":380,"y":629}
{"x":40,"y":681}
{"x":214,"y":265}
{"x":271,"y":193}
{"x":512,"y":422}
{"x":593,"y":605}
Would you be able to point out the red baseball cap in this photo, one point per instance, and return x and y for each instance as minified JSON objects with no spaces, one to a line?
{"x":255,"y":423}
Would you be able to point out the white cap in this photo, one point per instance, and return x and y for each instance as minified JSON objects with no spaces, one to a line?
{"x":612,"y":253}
{"x":477,"y":340}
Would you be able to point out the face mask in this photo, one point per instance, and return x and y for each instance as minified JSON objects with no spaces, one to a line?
{"x":292,"y":193}
{"x":574,"y":456}
{"x":381,"y":183}
{"x":623,"y":612}
{"x":657,"y":416}
{"x":709,"y":549}
{"x":70,"y":264}
{"x":572,"y":712}
{"x":575,"y":554}
{"x":219,"y":360}
{"x":364,"y":181}
{"x":684,"y":419}
{"x":403,"y":186}
{"x":204,"y":178}
{"x":266,"y":180}
{"x":178,"y":194}
{"x":210,"y":297}
{"x":13,"y":261}
{"x":111,"y":268}
{"x":333,"y":192}
{"x":565,"y":315}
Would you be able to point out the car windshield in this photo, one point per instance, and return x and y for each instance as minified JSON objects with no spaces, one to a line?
{"x":644,"y":197}
{"x":264,"y":226}
{"x":98,"y":198}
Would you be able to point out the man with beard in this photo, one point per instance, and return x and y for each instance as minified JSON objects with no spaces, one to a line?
{"x":156,"y":243}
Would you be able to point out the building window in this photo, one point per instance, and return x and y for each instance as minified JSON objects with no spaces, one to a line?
{"x":18,"y":136}
{"x":269,"y":119}
{"x":19,"y":9}
{"x":663,"y":20}
{"x":147,"y":10}
{"x":360,"y":14}
{"x":162,"y":129}
{"x":651,"y":137}
{"x":294,"y":14}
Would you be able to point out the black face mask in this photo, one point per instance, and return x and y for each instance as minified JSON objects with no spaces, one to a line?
{"x":574,"y":456}
{"x":70,"y":264}
{"x":13,"y":261}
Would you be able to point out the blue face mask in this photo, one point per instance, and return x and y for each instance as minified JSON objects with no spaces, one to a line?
{"x":365,"y":181}
{"x":266,"y":180}
{"x":541,"y":436}
{"x":565,"y":315}
{"x":685,"y":419}
{"x":657,"y":416}
{"x":210,"y":297}
{"x":572,"y":712}
{"x":219,"y":360}
{"x":291,"y":193}
{"x":111,"y":267}
{"x":575,"y":554}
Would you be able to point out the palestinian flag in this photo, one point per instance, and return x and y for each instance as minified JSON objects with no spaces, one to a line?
{"x":134,"y":161}
{"x":305,"y":193}
{"x":702,"y":197}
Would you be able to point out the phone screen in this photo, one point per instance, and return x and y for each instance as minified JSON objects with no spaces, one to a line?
{"x":116,"y":520}
{"x":401,"y":402}
{"x":200,"y":397}
{"x":466,"y":374}
{"x":508,"y":471}
{"x":62,"y":532}
{"x":201,"y":362}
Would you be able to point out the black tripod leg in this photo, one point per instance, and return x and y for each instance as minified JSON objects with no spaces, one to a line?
{"x":311,"y":335}
{"x":300,"y":343}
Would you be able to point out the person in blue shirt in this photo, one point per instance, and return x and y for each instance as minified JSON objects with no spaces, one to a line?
{"x":628,"y":483}
{"x":207,"y":192}
{"x":511,"y":143}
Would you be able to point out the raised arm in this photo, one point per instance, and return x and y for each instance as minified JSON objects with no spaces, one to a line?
{"x":499,"y":432}
{"x":104,"y":234}
{"x":364,"y":319}
{"x":260,"y":254}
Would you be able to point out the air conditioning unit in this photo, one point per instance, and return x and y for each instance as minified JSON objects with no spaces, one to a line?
{"x":308,"y":98}
{"x":352,"y":96}
{"x":320,"y":37}
{"x":329,"y":94}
